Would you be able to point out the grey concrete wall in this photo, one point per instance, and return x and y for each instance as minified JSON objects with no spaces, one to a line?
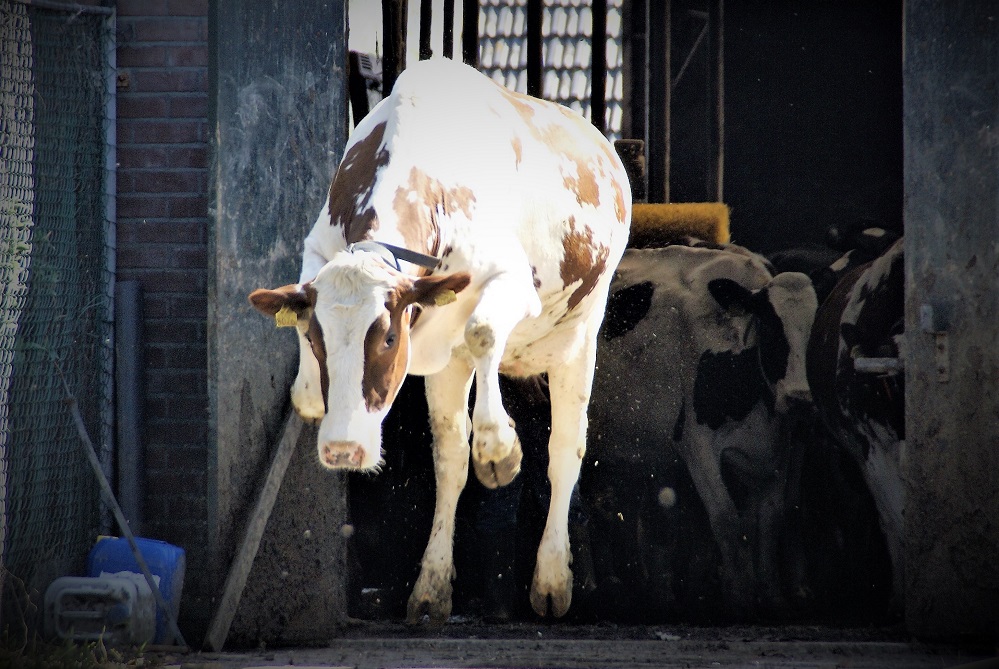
{"x":952,"y":318}
{"x":278,"y":125}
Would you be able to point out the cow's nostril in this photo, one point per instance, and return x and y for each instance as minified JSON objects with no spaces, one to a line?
{"x":342,"y":455}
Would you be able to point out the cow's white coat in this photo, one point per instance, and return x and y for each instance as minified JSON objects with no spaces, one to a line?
{"x":548,"y":192}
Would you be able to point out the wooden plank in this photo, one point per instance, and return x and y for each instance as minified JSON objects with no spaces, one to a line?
{"x":239,"y":570}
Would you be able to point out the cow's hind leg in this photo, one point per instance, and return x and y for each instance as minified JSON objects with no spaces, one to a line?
{"x":447,"y":399}
{"x":569,"y":385}
{"x":505,"y":301}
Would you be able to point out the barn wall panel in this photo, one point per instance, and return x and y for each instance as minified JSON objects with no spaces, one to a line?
{"x":278,"y":126}
{"x":952,"y":318}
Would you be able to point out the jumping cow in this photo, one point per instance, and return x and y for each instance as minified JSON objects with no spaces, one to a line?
{"x":469,"y":230}
{"x":858,"y":384}
{"x":703,"y":351}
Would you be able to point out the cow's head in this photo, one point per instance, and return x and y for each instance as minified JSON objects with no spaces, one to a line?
{"x":784,"y":311}
{"x":354,"y":322}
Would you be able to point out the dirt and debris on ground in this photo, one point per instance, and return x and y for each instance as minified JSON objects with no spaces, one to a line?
{"x":471,"y":643}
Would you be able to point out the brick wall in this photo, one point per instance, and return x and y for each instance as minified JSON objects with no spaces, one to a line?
{"x":162,"y":137}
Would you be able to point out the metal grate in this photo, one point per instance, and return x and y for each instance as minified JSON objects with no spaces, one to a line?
{"x":566,"y":29}
{"x":56,"y":266}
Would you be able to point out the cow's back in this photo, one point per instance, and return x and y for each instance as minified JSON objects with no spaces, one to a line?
{"x":452,"y":162}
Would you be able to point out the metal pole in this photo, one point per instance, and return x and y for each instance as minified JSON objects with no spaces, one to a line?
{"x":426,"y":16}
{"x":470,"y":32}
{"x":449,"y":28}
{"x":535,"y":45}
{"x":598,"y":79}
{"x":394,"y":50}
{"x":658,"y":132}
{"x":717,"y":22}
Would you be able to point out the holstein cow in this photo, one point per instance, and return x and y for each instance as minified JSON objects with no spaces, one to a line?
{"x":862,"y":403}
{"x":703,"y":350}
{"x":520,"y":211}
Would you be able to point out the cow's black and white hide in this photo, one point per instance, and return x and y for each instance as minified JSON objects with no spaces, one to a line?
{"x":701,"y":354}
{"x":864,"y":411}
{"x":845,"y":248}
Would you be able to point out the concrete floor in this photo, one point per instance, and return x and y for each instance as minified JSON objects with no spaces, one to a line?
{"x":474,"y":644}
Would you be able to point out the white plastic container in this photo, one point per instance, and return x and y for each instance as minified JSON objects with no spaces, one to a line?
{"x":119,"y":608}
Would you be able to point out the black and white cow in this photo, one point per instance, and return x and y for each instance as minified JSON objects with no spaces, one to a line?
{"x":703,"y":351}
{"x":858,"y":386}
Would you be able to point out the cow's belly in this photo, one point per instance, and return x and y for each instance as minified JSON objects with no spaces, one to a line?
{"x":538,"y":344}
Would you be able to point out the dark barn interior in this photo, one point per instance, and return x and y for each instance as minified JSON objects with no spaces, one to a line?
{"x":812,"y":140}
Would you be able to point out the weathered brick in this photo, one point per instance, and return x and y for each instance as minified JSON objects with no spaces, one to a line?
{"x":139,"y":133}
{"x":170,"y":29}
{"x":189,"y":55}
{"x":188,"y":7}
{"x":168,"y":181}
{"x":142,"y":7}
{"x":166,"y":231}
{"x":172,"y":280}
{"x":188,"y":207}
{"x":144,"y":55}
{"x":139,"y":206}
{"x":188,"y":106}
{"x":174,"y":79}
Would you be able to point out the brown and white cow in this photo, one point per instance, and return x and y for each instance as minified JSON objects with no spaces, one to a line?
{"x":703,"y":351}
{"x":524,"y":209}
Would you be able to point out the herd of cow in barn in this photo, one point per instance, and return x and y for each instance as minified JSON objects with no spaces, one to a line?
{"x":746,"y":415}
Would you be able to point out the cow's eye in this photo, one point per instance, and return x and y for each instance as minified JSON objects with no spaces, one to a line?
{"x":390,"y":340}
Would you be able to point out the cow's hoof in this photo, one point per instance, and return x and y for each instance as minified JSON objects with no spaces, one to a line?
{"x":437,"y":609}
{"x":553,"y":600}
{"x":493,"y":474}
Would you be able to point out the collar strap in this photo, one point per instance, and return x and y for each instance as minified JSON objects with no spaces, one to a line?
{"x":393,"y":254}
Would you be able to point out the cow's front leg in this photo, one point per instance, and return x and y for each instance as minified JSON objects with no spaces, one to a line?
{"x":505,"y":301}
{"x":569,"y":385}
{"x":447,"y":400}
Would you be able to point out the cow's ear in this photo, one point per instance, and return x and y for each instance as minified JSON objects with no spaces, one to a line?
{"x":730,"y":294}
{"x":298,"y":298}
{"x":437,"y":290}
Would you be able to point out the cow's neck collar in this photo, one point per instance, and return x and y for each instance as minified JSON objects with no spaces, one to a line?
{"x":393,"y":254}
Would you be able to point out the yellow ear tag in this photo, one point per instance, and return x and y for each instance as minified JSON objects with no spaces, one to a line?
{"x":285,"y":317}
{"x":445,"y":297}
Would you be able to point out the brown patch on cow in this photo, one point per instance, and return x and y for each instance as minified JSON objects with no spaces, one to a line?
{"x":584,"y":185}
{"x":350,"y":193}
{"x":518,"y":150}
{"x":314,"y":335}
{"x":418,"y":203}
{"x":619,"y":205}
{"x":385,"y":354}
{"x":582,"y":260}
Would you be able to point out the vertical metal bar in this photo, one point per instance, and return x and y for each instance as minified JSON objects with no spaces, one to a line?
{"x":598,"y":68}
{"x":658,"y":132}
{"x":128,"y":401}
{"x":426,"y":16}
{"x":111,"y":244}
{"x":470,"y":32}
{"x":717,"y":23}
{"x":394,"y":50}
{"x":449,"y":28}
{"x":535,"y":46}
{"x":635,"y":67}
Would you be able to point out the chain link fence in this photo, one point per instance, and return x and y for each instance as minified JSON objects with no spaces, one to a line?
{"x":56,"y":286}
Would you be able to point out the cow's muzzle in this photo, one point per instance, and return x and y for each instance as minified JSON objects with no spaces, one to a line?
{"x":341,"y":455}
